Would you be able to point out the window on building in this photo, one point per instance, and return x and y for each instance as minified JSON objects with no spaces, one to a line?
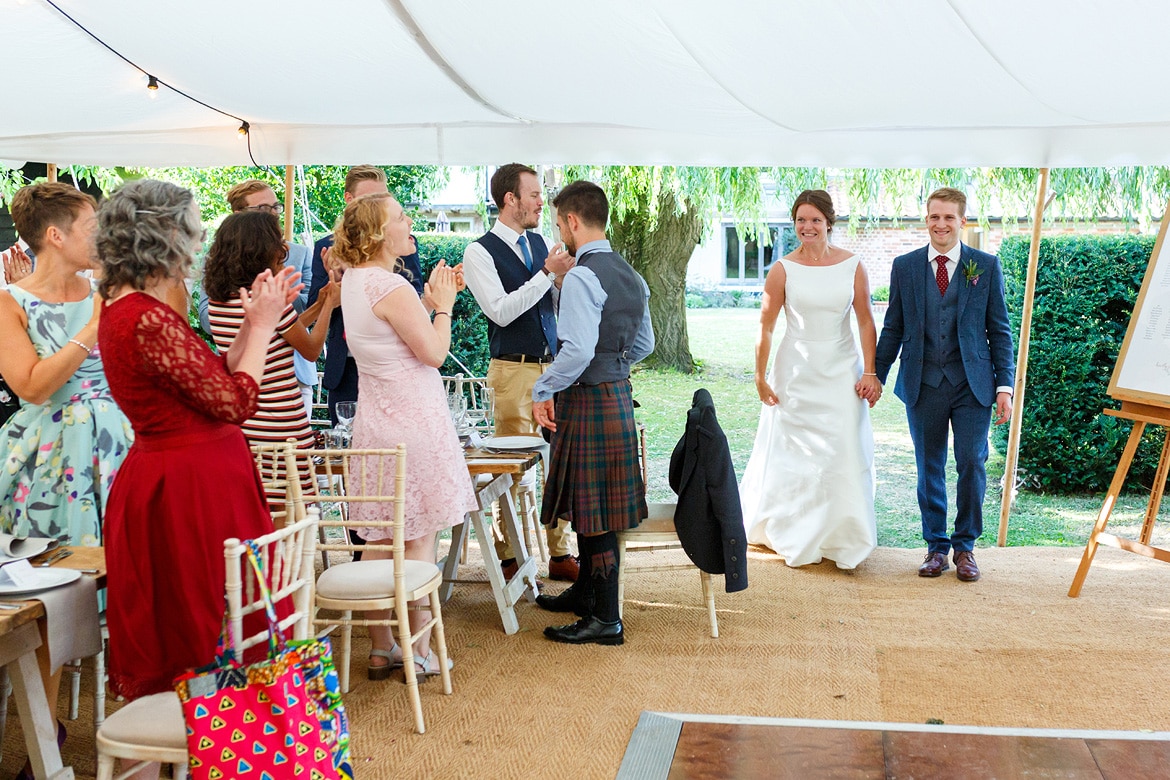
{"x":747,"y":261}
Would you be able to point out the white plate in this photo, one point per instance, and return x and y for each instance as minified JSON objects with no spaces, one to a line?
{"x":50,"y":578}
{"x":514,"y":443}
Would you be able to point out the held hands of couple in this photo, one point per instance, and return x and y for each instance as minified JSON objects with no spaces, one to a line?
{"x":868,"y":389}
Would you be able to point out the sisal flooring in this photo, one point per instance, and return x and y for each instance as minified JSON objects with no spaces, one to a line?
{"x":876,"y":644}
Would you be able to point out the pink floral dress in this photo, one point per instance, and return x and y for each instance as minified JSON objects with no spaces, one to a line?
{"x":401,"y":401}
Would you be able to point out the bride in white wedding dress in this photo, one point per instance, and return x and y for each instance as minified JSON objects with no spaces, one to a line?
{"x":808,"y":489}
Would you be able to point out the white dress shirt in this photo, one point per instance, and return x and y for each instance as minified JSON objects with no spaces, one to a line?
{"x":479,"y":271}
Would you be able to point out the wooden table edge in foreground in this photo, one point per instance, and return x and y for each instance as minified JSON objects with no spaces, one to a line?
{"x":18,"y":629}
{"x":504,"y":466}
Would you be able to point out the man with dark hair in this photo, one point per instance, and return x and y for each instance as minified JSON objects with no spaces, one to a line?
{"x":340,"y":376}
{"x":951,"y":336}
{"x":586,"y":400}
{"x":513,"y":275}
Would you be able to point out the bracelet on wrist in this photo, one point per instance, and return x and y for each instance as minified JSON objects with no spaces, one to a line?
{"x":83,"y":346}
{"x":437,"y":313}
{"x":868,"y":374}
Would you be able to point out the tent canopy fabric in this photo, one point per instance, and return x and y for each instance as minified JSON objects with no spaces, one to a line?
{"x":842,"y":83}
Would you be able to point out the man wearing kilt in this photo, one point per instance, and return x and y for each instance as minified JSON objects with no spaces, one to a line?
{"x":593,"y":477}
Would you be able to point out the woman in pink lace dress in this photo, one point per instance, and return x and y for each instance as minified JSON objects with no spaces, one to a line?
{"x":398,"y":350}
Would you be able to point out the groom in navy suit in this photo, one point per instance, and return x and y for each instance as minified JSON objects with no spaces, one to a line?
{"x":948,"y":320}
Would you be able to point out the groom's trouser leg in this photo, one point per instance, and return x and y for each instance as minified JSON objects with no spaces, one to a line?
{"x":970,"y":421}
{"x":929,"y":428}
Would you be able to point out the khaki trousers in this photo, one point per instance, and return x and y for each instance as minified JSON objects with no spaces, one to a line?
{"x":513,"y":383}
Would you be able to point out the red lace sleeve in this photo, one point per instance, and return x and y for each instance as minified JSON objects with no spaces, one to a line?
{"x":172,"y":351}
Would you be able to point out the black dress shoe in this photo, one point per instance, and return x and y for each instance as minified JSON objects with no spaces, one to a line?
{"x":588,"y":630}
{"x":571,"y":600}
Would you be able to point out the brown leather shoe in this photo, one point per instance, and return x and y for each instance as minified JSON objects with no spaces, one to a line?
{"x":965,"y":566}
{"x":934,"y":565}
{"x":565,"y":571}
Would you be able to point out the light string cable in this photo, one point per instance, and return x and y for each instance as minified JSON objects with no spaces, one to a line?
{"x":245,"y":127}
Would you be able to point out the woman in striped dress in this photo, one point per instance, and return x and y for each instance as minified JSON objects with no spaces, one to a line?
{"x":246,"y":244}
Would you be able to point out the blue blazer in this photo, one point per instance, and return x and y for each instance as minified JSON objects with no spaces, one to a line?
{"x":985,"y":338}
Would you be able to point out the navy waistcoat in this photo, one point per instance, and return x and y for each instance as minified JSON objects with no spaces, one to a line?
{"x":535,"y":331}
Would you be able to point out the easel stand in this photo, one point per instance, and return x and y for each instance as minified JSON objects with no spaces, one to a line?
{"x":1141,"y":414}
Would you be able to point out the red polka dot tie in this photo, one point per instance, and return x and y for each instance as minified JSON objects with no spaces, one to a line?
{"x":940,"y":275}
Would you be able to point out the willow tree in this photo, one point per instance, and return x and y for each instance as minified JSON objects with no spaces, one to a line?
{"x":658,"y":215}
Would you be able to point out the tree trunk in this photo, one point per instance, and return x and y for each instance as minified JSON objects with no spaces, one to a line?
{"x":661,"y":255}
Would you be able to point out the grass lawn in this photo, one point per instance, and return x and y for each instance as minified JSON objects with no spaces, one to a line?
{"x":723,"y":341}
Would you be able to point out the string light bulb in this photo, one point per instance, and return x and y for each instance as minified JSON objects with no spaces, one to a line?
{"x":244,"y":128}
{"x":152,"y":86}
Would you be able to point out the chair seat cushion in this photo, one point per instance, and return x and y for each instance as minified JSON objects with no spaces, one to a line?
{"x":154,"y":721}
{"x":371,"y":579}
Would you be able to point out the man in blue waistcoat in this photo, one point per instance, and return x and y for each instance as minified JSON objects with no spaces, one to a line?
{"x":513,"y":274}
{"x":948,"y":321}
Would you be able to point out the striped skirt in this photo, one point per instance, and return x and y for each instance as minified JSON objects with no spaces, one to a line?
{"x":594,"y":480}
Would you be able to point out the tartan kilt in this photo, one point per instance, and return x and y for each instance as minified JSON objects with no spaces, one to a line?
{"x":594,"y":480}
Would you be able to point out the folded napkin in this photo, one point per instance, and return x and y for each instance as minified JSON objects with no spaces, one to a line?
{"x":13,"y":547}
{"x":71,"y":614}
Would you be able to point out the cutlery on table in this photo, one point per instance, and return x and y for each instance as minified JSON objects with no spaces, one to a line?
{"x":54,"y":558}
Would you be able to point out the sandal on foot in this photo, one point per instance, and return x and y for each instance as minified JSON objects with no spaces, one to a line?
{"x":382,"y":671}
{"x":429,"y":666}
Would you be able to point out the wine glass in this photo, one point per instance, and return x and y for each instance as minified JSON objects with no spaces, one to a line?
{"x":345,"y":412}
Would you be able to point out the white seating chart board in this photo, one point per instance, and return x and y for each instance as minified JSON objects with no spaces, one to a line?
{"x":1142,"y":372}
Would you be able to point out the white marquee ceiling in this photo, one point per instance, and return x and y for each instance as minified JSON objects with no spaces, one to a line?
{"x":844,"y":83}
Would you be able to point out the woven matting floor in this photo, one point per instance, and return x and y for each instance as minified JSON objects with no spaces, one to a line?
{"x":876,"y":644}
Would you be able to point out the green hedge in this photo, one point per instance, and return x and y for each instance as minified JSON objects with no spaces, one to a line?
{"x":469,"y":339}
{"x":1086,"y":287}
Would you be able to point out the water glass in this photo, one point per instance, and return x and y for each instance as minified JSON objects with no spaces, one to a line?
{"x":345,"y":412}
{"x":487,"y":403}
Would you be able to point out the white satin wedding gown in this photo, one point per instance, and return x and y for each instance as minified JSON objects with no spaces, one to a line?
{"x":808,"y":489}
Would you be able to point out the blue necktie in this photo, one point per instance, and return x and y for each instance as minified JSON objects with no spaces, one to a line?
{"x":523,"y":242}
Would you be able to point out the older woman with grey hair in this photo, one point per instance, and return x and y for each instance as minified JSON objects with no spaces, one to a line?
{"x":189,"y":481}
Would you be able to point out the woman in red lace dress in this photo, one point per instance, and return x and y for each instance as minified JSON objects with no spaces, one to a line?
{"x":189,"y":481}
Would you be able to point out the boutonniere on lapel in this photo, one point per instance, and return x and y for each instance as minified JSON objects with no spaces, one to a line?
{"x":972,"y":272}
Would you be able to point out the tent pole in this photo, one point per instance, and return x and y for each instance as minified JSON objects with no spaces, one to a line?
{"x":1013,"y":446}
{"x":289,"y":216}
{"x":51,"y":171}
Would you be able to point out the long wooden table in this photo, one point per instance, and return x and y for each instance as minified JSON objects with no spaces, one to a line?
{"x":21,"y":633}
{"x":504,"y":468}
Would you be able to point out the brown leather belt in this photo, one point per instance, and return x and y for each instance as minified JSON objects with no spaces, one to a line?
{"x":524,"y":358}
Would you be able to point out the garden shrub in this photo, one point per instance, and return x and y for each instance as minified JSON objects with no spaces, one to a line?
{"x":469,"y":338}
{"x":880,"y":293}
{"x":1086,"y":287}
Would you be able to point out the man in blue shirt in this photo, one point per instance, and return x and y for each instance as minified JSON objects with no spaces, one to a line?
{"x":585,"y":399}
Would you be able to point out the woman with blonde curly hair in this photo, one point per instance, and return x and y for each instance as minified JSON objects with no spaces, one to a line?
{"x":398,"y":349}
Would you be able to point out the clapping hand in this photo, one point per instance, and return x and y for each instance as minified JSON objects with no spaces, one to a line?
{"x":270,"y":295}
{"x":440,"y":290}
{"x":17,"y":264}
